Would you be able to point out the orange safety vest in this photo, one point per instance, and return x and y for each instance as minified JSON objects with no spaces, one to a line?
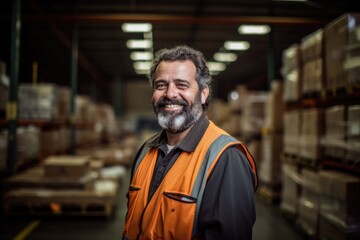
{"x":173,"y":210}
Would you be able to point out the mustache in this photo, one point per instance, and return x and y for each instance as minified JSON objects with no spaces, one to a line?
{"x":165,"y":101}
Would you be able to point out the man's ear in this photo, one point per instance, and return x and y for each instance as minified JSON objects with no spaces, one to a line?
{"x":204,"y":94}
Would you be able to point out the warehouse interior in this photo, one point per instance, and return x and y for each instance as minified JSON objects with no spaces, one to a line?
{"x":75,"y":108}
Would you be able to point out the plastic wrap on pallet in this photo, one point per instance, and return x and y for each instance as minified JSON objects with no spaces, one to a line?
{"x":291,"y":73}
{"x":353,"y":133}
{"x":335,"y":131}
{"x":38,"y":101}
{"x":352,"y":59}
{"x":311,"y":134}
{"x":312,"y":56}
{"x":339,"y":199}
{"x":291,"y":181}
{"x":311,"y":46}
{"x":253,"y":113}
{"x":309,"y":202}
{"x":270,"y":167}
{"x":336,"y":36}
{"x":292,"y":125}
{"x":274,"y":108}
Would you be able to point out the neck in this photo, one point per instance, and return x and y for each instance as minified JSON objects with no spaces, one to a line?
{"x":175,"y":138}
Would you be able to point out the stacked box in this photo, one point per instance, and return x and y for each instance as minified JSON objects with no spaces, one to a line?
{"x":353,"y":133}
{"x":352,"y":58}
{"x":38,"y":101}
{"x":290,"y":191}
{"x":311,"y":134}
{"x":28,"y":145}
{"x":339,"y":206}
{"x":270,"y":169}
{"x":312,"y":60}
{"x":292,"y":126}
{"x":274,"y":108}
{"x":335,"y":132}
{"x":218,"y":111}
{"x":291,"y":73}
{"x":84,"y":109}
{"x":309,"y":203}
{"x":63,"y":166}
{"x":336,"y":39}
{"x":253,"y":113}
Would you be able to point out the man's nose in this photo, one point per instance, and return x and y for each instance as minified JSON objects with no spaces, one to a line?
{"x":171,"y":91}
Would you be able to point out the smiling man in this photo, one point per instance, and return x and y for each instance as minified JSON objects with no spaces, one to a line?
{"x":191,"y":180}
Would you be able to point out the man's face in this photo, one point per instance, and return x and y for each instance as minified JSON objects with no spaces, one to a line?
{"x":176,"y":97}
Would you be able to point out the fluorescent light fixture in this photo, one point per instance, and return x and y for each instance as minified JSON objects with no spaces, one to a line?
{"x":142,"y":72}
{"x":225,"y":57}
{"x":254,"y":29}
{"x":216,"y":66}
{"x":236,"y":45}
{"x":136,"y":27}
{"x":137,"y":56}
{"x":132,"y":43}
{"x":142,"y":65}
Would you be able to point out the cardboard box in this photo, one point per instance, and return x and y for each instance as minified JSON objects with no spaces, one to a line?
{"x":340,"y":197}
{"x":64,"y":166}
{"x":336,"y":36}
{"x":292,"y":127}
{"x":309,"y":202}
{"x":291,"y":182}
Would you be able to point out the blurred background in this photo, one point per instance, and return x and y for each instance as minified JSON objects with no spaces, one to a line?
{"x":75,"y":107}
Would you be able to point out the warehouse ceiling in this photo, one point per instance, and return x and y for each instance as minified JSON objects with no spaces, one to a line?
{"x":48,"y":29}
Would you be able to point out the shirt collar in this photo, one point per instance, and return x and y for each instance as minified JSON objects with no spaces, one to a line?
{"x":190,"y":141}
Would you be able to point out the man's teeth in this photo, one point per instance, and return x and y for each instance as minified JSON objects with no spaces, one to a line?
{"x":172,"y":106}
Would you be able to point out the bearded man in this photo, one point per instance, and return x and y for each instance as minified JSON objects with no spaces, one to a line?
{"x":192,"y":180}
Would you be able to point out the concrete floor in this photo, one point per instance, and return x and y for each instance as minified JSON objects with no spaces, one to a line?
{"x":270,"y":225}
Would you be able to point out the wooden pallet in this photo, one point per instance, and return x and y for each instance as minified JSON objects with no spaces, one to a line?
{"x":72,"y":202}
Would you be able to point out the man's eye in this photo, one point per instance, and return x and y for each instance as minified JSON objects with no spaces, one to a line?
{"x":181,"y":86}
{"x":160,"y":86}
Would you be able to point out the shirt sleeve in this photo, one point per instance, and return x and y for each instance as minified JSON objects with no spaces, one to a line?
{"x":228,"y":205}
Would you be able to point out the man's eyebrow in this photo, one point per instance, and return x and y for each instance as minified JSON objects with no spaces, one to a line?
{"x":181,"y":81}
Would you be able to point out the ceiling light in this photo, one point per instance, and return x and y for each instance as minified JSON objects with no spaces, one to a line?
{"x":142,"y":72}
{"x":136,"y":56}
{"x":254,"y":29}
{"x":216,"y":66}
{"x":225,"y":57}
{"x":236,"y":45}
{"x":138,"y":43}
{"x":142,"y":65}
{"x":136,"y":27}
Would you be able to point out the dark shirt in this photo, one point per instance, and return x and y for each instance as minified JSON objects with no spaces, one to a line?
{"x":228,"y":205}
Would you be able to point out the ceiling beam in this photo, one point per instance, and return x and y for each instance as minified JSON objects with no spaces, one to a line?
{"x":179,"y":19}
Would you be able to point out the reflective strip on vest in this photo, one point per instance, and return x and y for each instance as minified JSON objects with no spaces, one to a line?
{"x":199,"y":186}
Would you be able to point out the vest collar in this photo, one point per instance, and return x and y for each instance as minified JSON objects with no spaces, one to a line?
{"x":190,"y":141}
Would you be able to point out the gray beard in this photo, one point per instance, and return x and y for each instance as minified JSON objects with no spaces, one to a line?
{"x":179,"y":122}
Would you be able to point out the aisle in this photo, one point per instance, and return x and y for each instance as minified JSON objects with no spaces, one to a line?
{"x":270,"y":225}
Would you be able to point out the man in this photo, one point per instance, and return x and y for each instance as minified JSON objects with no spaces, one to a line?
{"x":192,"y":180}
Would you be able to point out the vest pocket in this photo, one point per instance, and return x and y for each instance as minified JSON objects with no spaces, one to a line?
{"x":176,"y":216}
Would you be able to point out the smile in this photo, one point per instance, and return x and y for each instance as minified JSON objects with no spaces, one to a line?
{"x":172,"y":106}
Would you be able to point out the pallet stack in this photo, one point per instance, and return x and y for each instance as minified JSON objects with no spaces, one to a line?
{"x":63,"y":185}
{"x":321,"y":135}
